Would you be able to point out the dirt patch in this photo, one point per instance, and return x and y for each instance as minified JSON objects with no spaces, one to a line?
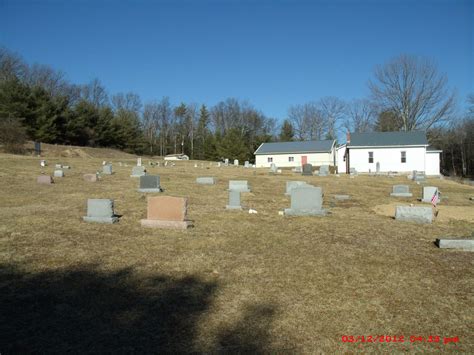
{"x":446,"y":213}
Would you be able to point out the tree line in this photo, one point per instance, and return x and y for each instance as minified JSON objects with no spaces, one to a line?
{"x":406,"y":93}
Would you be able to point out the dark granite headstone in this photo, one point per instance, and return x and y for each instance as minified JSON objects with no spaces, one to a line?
{"x":307,"y":170}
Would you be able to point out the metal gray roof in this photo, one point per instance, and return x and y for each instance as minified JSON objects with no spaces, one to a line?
{"x":373,"y":139}
{"x":295,"y":147}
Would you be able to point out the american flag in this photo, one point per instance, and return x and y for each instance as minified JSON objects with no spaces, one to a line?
{"x":435,"y":198}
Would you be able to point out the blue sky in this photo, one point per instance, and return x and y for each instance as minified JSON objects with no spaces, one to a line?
{"x":272,"y":53}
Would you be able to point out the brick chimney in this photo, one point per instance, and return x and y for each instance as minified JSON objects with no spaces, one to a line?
{"x":348,"y":138}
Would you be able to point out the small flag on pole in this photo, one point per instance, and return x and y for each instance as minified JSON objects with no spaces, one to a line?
{"x":435,"y":198}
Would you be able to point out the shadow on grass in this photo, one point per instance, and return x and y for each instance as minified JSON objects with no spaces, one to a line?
{"x":87,"y":310}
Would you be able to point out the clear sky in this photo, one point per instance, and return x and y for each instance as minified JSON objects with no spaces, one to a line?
{"x":272,"y":53}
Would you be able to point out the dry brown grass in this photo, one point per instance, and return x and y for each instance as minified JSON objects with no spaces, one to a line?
{"x":235,"y":282}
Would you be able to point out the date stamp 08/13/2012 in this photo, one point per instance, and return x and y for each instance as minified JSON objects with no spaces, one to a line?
{"x":412,"y":339}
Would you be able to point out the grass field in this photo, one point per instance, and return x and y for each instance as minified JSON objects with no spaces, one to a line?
{"x":236,"y":282}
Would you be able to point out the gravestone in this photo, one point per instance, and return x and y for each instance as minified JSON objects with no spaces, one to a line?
{"x":195,"y":165}
{"x":44,"y":179}
{"x":58,"y":173}
{"x":401,"y":191}
{"x":464,"y":244}
{"x":150,"y":183}
{"x":352,"y":171}
{"x":219,"y":164}
{"x":107,"y":169}
{"x":139,"y":161}
{"x":418,"y":176}
{"x":100,"y":211}
{"x":342,"y":197}
{"x":43,"y":163}
{"x":273,"y":168}
{"x":306,"y":201}
{"x":90,"y":177}
{"x":290,"y":185}
{"x":246,"y":164}
{"x":138,"y":171}
{"x":414,"y":214}
{"x":58,"y":166}
{"x":207,"y":180}
{"x":166,"y":212}
{"x":67,"y":167}
{"x":297,"y":169}
{"x":236,"y":162}
{"x":429,"y":192}
{"x":37,"y":148}
{"x":239,"y":185}
{"x":324,"y":170}
{"x":234,"y":200}
{"x":377,"y":168}
{"x":226,"y":162}
{"x":307,"y":170}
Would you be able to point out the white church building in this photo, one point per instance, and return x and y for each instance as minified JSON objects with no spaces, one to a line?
{"x":400,"y":152}
{"x":292,"y":154}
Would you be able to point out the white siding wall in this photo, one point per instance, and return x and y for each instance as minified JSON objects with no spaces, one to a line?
{"x":341,"y":164}
{"x":281,"y":160}
{"x":432,"y":163}
{"x":389,"y":159}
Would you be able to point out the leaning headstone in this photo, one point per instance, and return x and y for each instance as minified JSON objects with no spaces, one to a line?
{"x":401,"y":191}
{"x":290,"y":185}
{"x":167,"y":212}
{"x":416,"y":214}
{"x":273,"y":168}
{"x":236,"y":162}
{"x":139,"y":161}
{"x":464,"y":244}
{"x":307,"y":170}
{"x":107,"y":169}
{"x":324,"y":170}
{"x":45,"y":179}
{"x":239,"y":185}
{"x":207,"y":180}
{"x":58,"y":173}
{"x":138,"y":171}
{"x":342,"y":197}
{"x":306,"y":201}
{"x":246,"y":164}
{"x":100,"y":211}
{"x":429,"y":192}
{"x":150,"y":183}
{"x":90,"y":177}
{"x":234,"y":200}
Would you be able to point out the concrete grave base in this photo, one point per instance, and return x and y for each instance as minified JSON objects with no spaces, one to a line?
{"x":465,"y":244}
{"x":401,"y":194}
{"x":150,"y":190}
{"x":292,"y":212}
{"x":154,"y":223}
{"x":342,"y":197}
{"x":109,"y":220}
{"x":414,"y":214}
{"x":235,"y":208}
{"x":45,"y":179}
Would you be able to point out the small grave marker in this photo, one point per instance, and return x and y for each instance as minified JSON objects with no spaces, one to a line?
{"x":44,"y":179}
{"x":90,"y":177}
{"x":429,"y":192}
{"x":100,"y":211}
{"x":236,"y":162}
{"x":107,"y":169}
{"x":138,"y":171}
{"x":464,"y":244}
{"x":234,"y":200}
{"x":307,"y":170}
{"x":416,"y":214}
{"x":207,"y":180}
{"x":150,"y":183}
{"x":401,"y":191}
{"x":58,"y":173}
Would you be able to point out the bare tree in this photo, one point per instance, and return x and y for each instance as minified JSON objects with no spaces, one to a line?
{"x":128,"y":102}
{"x":332,"y":111}
{"x":11,"y":65}
{"x":414,"y":90}
{"x":95,"y":93}
{"x":360,"y":116}
{"x":307,"y":121}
